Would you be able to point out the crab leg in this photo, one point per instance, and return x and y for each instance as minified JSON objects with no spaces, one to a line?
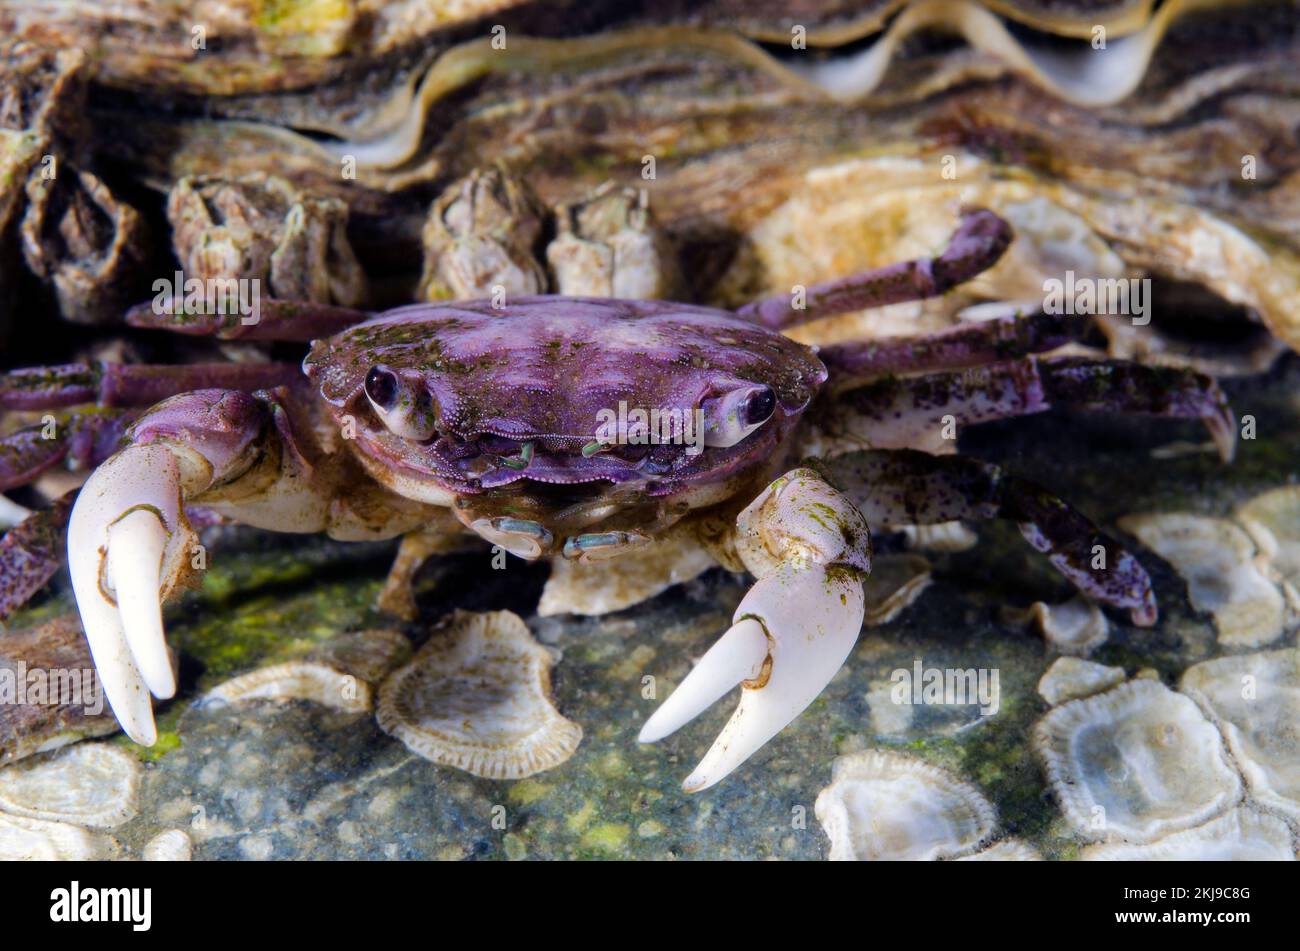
{"x":129,"y":541}
{"x":83,"y":440}
{"x":134,"y":384}
{"x":975,"y":246}
{"x":912,"y":412}
{"x":966,"y":345}
{"x":810,"y":549}
{"x":896,"y":487}
{"x":273,"y":320}
{"x":31,"y":552}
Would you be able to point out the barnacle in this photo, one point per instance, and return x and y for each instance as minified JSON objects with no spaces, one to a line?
{"x":477,"y":697}
{"x":883,"y":805}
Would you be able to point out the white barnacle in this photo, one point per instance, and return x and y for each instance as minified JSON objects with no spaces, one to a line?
{"x":1273,"y":521}
{"x":1136,"y":762}
{"x":1219,"y":562}
{"x":883,"y":805}
{"x":1070,"y":678}
{"x":477,"y":697}
{"x":1255,"y":699}
{"x":174,"y":845}
{"x":25,"y":839}
{"x":1243,"y":834}
{"x":91,"y":784}
{"x":297,"y":680}
{"x":894,"y":583}
{"x":1076,"y":626}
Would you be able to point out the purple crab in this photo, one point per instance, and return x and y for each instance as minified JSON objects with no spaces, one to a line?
{"x":582,"y":429}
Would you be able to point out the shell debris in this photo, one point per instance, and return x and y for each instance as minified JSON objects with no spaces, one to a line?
{"x":297,"y":680}
{"x":1273,"y":521}
{"x":174,"y":845}
{"x":1008,"y":850}
{"x":883,"y":805}
{"x":894,"y":583}
{"x":1136,"y":762}
{"x":1070,"y":678}
{"x":92,"y":784}
{"x":1255,"y":698}
{"x":477,"y":697}
{"x":24,"y":839}
{"x":1218,"y":560}
{"x":1242,"y":835}
{"x":1076,"y":627}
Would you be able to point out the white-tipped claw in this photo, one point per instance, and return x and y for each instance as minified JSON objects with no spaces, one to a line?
{"x":125,"y":517}
{"x":136,"y":545}
{"x":737,"y":655}
{"x":810,"y":616}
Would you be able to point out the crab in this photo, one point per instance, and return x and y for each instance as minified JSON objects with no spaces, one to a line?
{"x":514,"y":421}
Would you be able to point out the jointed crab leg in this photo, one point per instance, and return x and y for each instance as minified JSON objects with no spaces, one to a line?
{"x":131,"y":384}
{"x":896,"y":487}
{"x":82,"y":439}
{"x":810,"y":549}
{"x":31,"y":552}
{"x":274,"y":320}
{"x":900,"y":412}
{"x":975,"y":246}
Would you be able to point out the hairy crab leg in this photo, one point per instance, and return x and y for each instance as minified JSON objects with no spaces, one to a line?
{"x":921,"y":411}
{"x":974,"y":247}
{"x":810,"y":549}
{"x":904,"y":486}
{"x":274,"y":320}
{"x":132,"y":384}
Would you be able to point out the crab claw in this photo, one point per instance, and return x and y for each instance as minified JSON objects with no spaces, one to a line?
{"x":791,"y":633}
{"x":126,"y":540}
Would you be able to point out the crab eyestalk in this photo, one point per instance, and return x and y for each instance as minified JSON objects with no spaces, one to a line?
{"x":810,"y":549}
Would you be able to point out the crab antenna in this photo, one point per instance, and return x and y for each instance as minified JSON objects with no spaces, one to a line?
{"x":974,"y":247}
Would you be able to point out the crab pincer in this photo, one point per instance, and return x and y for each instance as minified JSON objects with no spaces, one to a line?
{"x":810,"y":549}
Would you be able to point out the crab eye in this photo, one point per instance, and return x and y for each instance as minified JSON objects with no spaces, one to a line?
{"x":407,"y":411}
{"x":731,"y":417}
{"x":382,"y":386}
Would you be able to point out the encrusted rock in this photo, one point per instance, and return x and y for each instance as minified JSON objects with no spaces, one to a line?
{"x":482,"y":233}
{"x":1070,"y":678}
{"x":608,"y":245}
{"x":885,"y":805}
{"x":261,"y":227}
{"x":1255,"y":698}
{"x":49,"y":691}
{"x":1242,"y":835}
{"x":1136,"y":762}
{"x":477,"y":697}
{"x":1219,"y":562}
{"x":94,"y":784}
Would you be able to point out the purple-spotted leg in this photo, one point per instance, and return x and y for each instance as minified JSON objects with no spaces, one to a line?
{"x":895,"y":487}
{"x":974,"y":247}
{"x":131,"y":384}
{"x":922,"y":411}
{"x":31,"y":552}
